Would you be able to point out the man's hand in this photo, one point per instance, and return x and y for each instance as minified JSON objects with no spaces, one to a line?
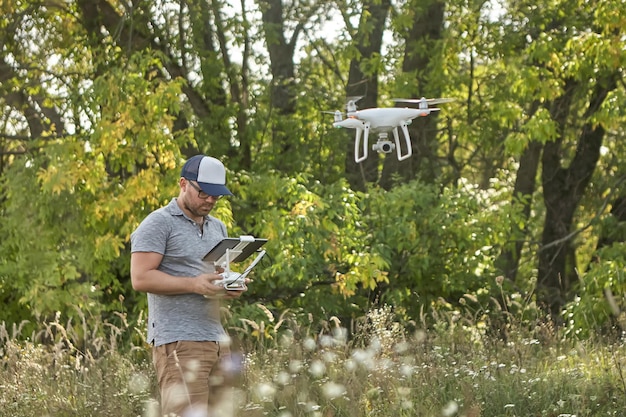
{"x":205,"y":285}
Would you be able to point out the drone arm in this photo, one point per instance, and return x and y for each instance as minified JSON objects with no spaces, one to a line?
{"x":407,"y":140}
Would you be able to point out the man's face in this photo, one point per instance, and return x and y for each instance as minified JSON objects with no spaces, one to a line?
{"x":195,"y":200}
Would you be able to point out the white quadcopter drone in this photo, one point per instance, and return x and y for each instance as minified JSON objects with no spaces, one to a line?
{"x":381,"y":121}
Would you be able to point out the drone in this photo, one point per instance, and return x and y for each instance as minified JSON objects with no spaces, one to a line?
{"x":383,"y":120}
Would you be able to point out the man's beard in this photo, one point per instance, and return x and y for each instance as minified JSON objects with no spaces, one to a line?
{"x":196,"y":211}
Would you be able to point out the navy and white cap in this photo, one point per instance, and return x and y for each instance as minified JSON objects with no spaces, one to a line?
{"x":208,"y":172}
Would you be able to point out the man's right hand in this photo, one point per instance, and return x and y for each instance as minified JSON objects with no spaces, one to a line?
{"x":205,"y":285}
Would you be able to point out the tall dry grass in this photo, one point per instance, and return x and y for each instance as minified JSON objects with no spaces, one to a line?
{"x":457,"y":367}
{"x":69,"y":369}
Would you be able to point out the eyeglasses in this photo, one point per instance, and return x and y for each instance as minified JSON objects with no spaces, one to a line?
{"x":201,"y":194}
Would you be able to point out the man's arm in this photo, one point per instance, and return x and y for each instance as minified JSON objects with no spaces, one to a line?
{"x":146,"y":277}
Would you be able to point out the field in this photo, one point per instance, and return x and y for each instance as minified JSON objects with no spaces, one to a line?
{"x":455,"y":368}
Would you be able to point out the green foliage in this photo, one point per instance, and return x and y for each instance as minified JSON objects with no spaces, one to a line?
{"x":319,"y":247}
{"x":331,"y":250}
{"x":600,"y":294}
{"x":437,"y":244}
{"x":106,"y":127}
{"x":71,"y":208}
{"x":541,"y":127}
{"x":334,"y":251}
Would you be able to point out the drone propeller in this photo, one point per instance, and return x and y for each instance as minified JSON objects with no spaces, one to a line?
{"x":429,"y":101}
{"x":354,"y":98}
{"x":351,"y":103}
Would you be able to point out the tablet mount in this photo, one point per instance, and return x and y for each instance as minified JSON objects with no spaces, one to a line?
{"x":232,"y":250}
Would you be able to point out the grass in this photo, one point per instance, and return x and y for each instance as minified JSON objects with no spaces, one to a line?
{"x":69,"y":372}
{"x":452,"y":369}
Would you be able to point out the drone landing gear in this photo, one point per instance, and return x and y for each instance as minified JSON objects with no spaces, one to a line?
{"x":383,"y":145}
{"x":360,"y":156}
{"x":407,"y":141}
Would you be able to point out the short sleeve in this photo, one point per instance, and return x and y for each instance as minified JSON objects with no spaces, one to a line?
{"x":151,"y":235}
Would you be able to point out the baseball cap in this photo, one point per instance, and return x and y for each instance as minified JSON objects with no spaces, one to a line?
{"x":208,"y":172}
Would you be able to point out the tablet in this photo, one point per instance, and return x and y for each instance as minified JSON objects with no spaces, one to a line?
{"x":236,"y":249}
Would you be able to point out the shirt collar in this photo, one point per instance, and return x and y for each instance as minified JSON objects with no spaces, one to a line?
{"x":174,"y":209}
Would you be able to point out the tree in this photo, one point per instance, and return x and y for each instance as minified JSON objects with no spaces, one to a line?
{"x":103,"y":100}
{"x":420,"y":26}
{"x":363,"y":79}
{"x":572,"y":90}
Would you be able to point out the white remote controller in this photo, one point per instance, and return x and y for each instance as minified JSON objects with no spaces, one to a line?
{"x":232,"y":281}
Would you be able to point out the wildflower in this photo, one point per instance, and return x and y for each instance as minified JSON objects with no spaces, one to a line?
{"x":265,"y":391}
{"x":333,"y":390}
{"x":295,"y":365}
{"x":317,"y":368}
{"x":326,"y":341}
{"x":419,"y":336}
{"x":138,"y":383}
{"x":311,"y":406}
{"x":283,"y":378}
{"x":329,"y":357}
{"x":309,"y":344}
{"x":406,"y":370}
{"x":406,"y":404}
{"x":350,"y":365}
{"x":341,"y":335}
{"x":401,"y":347}
{"x":450,"y":409}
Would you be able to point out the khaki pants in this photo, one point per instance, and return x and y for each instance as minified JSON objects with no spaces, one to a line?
{"x":192,"y":377}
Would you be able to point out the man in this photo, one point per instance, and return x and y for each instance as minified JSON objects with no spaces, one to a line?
{"x":190,"y":347}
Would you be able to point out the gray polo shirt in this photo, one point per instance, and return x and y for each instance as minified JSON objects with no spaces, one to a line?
{"x":170,"y":232}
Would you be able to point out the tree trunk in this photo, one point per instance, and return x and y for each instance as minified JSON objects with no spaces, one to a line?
{"x":523,"y":191}
{"x":368,"y":42}
{"x":420,"y":49}
{"x":282,"y":91}
{"x":563,"y":189}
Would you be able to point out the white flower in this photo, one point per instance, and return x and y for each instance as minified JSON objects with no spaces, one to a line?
{"x":450,"y":409}
{"x":333,"y":390}
{"x":309,"y":344}
{"x":265,"y":391}
{"x":317,"y":368}
{"x":295,"y":365}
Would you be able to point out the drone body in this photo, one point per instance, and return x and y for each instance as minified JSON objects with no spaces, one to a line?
{"x":382,"y":121}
